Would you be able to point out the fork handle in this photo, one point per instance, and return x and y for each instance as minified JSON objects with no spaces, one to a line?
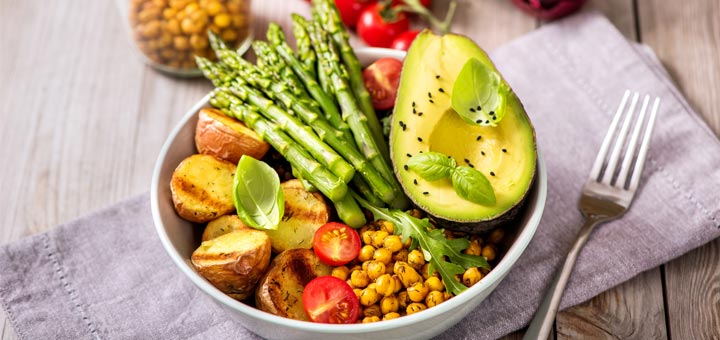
{"x":542,"y":323}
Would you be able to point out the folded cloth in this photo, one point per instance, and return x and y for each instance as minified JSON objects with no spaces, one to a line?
{"x":107,"y":276}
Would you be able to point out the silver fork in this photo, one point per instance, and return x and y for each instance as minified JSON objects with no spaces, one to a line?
{"x":607,"y":194}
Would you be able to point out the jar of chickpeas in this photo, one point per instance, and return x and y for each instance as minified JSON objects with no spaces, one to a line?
{"x":170,"y":33}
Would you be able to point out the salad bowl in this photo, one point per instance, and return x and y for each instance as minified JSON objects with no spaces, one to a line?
{"x":180,"y":238}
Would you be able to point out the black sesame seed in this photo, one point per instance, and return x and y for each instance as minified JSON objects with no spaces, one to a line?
{"x":487,"y":122}
{"x":415,"y":181}
{"x":437,"y":76}
{"x":406,"y":167}
{"x":478,"y":138}
{"x":479,"y":108}
{"x":414,"y":111}
{"x":482,"y":153}
{"x":470,"y":165}
{"x":472,"y":110}
{"x":426,"y":193}
{"x":420,"y":114}
{"x":478,"y":121}
{"x":492,"y":173}
{"x":420,"y":151}
{"x":441,"y":90}
{"x":419,"y":139}
{"x":504,"y":150}
{"x":429,"y":95}
{"x":492,"y":113}
{"x":493,"y":117}
{"x":413,"y":104}
{"x":403,"y":127}
{"x":409,"y":155}
{"x":467,"y":161}
{"x":402,"y":123}
{"x":431,"y":101}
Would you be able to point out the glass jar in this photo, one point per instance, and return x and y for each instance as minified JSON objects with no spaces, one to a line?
{"x":170,"y":33}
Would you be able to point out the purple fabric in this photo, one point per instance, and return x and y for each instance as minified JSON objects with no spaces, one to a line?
{"x":106,"y":276}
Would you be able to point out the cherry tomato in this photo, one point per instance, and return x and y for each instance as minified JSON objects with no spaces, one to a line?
{"x":376,"y":31}
{"x":382,"y":79}
{"x":327,"y":299}
{"x":350,"y":10}
{"x":336,"y":244}
{"x":403,"y":41}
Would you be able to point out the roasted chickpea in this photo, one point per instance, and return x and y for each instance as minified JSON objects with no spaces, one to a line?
{"x":340,"y":272}
{"x":366,"y":236}
{"x":407,"y":274}
{"x":382,"y":255}
{"x":359,"y":278}
{"x":375,"y":269}
{"x":489,"y":252}
{"x":368,"y":297}
{"x":496,"y":236}
{"x":417,"y":292}
{"x":385,"y":285}
{"x":373,"y":310}
{"x":369,"y":319}
{"x":401,"y":255}
{"x":357,"y":292}
{"x":415,"y":307}
{"x":434,"y":298}
{"x":473,"y":249}
{"x":393,"y":243}
{"x":471,"y":276}
{"x":416,"y":259}
{"x":378,"y":238}
{"x":387,"y":226}
{"x":366,"y":253}
{"x":391,"y":315}
{"x":403,"y":299}
{"x":434,"y":284}
{"x":389,"y":304}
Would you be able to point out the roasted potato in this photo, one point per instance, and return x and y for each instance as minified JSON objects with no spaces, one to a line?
{"x":201,"y":188}
{"x":226,"y":138}
{"x":305,"y":213}
{"x":221,"y":226}
{"x":234,"y":262}
{"x":280,"y":290}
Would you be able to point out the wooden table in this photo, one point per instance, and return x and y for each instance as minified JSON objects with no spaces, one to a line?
{"x":83,"y":120}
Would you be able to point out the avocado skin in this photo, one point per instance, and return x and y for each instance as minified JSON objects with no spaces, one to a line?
{"x":441,"y":218}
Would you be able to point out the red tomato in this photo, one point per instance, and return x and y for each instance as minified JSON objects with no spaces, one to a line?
{"x":403,"y":41}
{"x":327,"y":299}
{"x":336,"y":244}
{"x":350,"y":10}
{"x":382,"y":79}
{"x":377,"y":32}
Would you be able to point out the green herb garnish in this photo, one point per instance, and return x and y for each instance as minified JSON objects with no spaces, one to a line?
{"x":257,"y":194}
{"x":468,"y":182}
{"x":479,"y":94}
{"x":433,"y":244}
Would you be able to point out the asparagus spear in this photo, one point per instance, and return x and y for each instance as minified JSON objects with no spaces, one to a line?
{"x":320,"y":177}
{"x":277,"y":66}
{"x":301,"y":133}
{"x":330,"y":63}
{"x":321,"y":76}
{"x":305,"y":52}
{"x":327,"y":13}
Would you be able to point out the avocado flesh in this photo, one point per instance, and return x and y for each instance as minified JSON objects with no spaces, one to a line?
{"x":439,"y":128}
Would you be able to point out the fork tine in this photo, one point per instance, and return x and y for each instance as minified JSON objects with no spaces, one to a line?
{"x":637,"y":172}
{"x":619,"y":142}
{"x":595,"y":171}
{"x":632,"y":144}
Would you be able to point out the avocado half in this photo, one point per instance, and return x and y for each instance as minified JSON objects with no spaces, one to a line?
{"x":423,"y":120}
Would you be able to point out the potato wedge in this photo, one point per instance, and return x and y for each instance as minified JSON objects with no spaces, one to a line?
{"x":280,"y":290}
{"x":305,"y":213}
{"x":234,"y":262}
{"x":226,"y":138}
{"x":201,"y":188}
{"x":221,"y":226}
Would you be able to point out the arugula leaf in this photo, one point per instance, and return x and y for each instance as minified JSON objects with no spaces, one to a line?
{"x":257,"y":194}
{"x":473,"y":186}
{"x":433,"y":244}
{"x":479,"y":94}
{"x":432,"y":166}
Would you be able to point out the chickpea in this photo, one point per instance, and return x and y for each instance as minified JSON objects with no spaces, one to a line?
{"x":471,"y":276}
{"x":489,"y":252}
{"x":407,"y":274}
{"x":387,"y":226}
{"x":385,"y":285}
{"x":389,"y":268}
{"x":403,"y":299}
{"x":434,"y":284}
{"x":389,"y":304}
{"x":373,"y":310}
{"x":398,"y":284}
{"x":434,"y":298}
{"x":222,"y":20}
{"x":188,"y":26}
{"x":449,"y":234}
{"x":378,"y":238}
{"x":392,"y":243}
{"x":407,"y":243}
{"x":415,"y":307}
{"x":359,"y":279}
{"x":375,"y":269}
{"x":496,"y":236}
{"x":382,"y":255}
{"x":198,"y":42}
{"x":416,"y":259}
{"x":149,"y":14}
{"x":167,"y":54}
{"x":368,"y":297}
{"x":401,"y":255}
{"x":172,"y":26}
{"x":169,"y":13}
{"x":417,"y":292}
{"x":473,"y":249}
{"x":447,"y":296}
{"x":188,"y":64}
{"x":366,"y":253}
{"x":391,"y":315}
{"x":369,"y":319}
{"x":340,"y":272}
{"x":416,"y":213}
{"x":191,"y":7}
{"x":426,"y":272}
{"x":366,"y":236}
{"x":165,"y":40}
{"x":357,"y":292}
{"x":181,"y":43}
{"x":213,"y":8}
{"x":372,"y":285}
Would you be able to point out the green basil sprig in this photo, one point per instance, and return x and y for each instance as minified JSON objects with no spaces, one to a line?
{"x":468,"y":182}
{"x":479,"y":94}
{"x":257,"y":194}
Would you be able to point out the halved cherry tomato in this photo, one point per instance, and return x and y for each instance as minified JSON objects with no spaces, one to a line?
{"x":336,"y":244}
{"x":350,"y":10}
{"x":327,"y":299}
{"x":403,"y":41}
{"x":377,"y":31}
{"x":382,"y":79}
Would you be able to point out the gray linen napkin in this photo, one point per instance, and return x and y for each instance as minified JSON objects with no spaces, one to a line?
{"x":106,"y":276}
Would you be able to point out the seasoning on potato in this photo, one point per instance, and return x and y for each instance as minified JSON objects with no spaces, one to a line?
{"x":173,"y":32}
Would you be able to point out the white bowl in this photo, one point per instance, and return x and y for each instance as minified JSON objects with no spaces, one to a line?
{"x":179,"y":237}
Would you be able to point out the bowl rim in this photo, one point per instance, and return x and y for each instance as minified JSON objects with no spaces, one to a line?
{"x":496,"y":274}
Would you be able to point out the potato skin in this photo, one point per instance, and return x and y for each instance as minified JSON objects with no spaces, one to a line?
{"x":226,"y":138}
{"x":234,"y":262}
{"x":221,"y":226}
{"x":305,"y":213}
{"x":280,"y":290}
{"x":201,"y":188}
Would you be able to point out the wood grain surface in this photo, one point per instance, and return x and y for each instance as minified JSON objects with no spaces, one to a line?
{"x":83,"y":121}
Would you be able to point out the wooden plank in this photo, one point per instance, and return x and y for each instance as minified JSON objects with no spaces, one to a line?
{"x":632,"y":310}
{"x":620,"y":12}
{"x":686,"y":38}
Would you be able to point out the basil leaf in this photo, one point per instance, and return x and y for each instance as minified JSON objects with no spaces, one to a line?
{"x":479,"y":94}
{"x":432,"y":166}
{"x":473,"y":186}
{"x":257,"y":194}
